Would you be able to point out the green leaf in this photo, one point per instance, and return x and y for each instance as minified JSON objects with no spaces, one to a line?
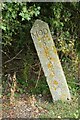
{"x":24,"y":9}
{"x":39,"y":8}
{"x":3,"y":27}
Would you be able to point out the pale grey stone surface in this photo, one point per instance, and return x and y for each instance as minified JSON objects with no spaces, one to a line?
{"x":50,"y":62}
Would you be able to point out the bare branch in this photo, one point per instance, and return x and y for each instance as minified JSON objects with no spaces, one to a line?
{"x":74,"y":83}
{"x":14,"y":57}
{"x":38,"y":77}
{"x":5,"y":54}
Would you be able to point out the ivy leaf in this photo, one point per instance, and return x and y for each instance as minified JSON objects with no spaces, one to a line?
{"x":24,"y":9}
{"x":37,"y":13}
{"x":3,"y":27}
{"x":14,"y":14}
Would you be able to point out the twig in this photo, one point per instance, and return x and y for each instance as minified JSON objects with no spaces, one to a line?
{"x":13,"y":57}
{"x":36,"y":64}
{"x":5,"y":53}
{"x":12,"y":96}
{"x":74,"y":83}
{"x":32,"y":66}
{"x":38,"y":77}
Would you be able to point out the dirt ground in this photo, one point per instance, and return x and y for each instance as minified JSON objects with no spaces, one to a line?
{"x":23,"y":107}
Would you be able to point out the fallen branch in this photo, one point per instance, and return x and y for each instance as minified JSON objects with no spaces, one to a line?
{"x":13,"y":57}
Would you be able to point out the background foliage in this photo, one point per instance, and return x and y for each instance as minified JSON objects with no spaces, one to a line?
{"x":19,"y":54}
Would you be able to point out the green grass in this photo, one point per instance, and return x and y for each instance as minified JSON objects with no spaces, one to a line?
{"x":61,"y":109}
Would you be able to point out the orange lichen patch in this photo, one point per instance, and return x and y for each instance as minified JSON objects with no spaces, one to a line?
{"x":55,"y":82}
{"x":51,"y":74}
{"x":39,"y":38}
{"x":46,"y":50}
{"x":47,"y":37}
{"x":54,"y":49}
{"x":40,"y":44}
{"x":51,"y":58}
{"x":49,"y":65}
{"x":55,"y":88}
{"x":63,"y":96}
{"x":46,"y":55}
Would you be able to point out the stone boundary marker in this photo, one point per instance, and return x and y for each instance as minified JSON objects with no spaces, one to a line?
{"x":50,"y":62}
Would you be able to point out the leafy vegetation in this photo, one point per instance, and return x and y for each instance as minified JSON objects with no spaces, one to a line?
{"x":19,"y":54}
{"x":60,"y":109}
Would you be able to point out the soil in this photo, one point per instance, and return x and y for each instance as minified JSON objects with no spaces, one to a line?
{"x":24,"y":107}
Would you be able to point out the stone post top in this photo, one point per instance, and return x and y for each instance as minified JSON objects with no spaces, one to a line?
{"x":39,"y":21}
{"x":38,"y":24}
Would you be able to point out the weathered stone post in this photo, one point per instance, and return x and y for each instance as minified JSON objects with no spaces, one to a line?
{"x":50,"y":62}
